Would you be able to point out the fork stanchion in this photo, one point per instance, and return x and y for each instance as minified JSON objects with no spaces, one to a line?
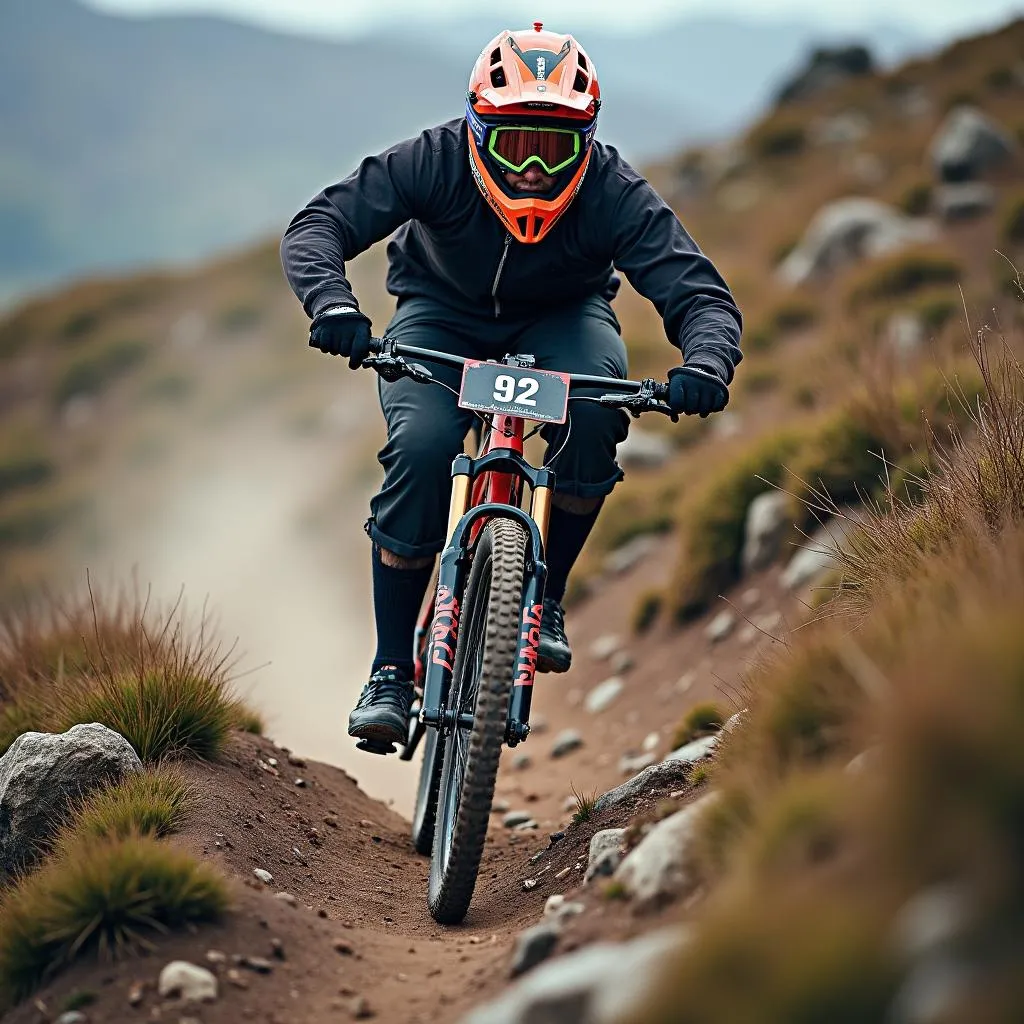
{"x":540,"y":509}
{"x":461,"y":469}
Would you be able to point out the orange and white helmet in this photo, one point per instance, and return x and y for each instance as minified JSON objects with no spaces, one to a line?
{"x":533,"y":100}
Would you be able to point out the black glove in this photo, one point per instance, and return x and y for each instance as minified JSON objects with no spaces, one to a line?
{"x":342,"y":331}
{"x":692,"y":390}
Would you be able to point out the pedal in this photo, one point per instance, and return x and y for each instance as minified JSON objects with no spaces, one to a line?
{"x":374,"y":746}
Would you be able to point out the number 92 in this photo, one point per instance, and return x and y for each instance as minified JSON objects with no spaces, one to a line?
{"x":507,"y":389}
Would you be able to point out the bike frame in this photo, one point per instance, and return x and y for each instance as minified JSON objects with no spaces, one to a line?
{"x":483,"y":487}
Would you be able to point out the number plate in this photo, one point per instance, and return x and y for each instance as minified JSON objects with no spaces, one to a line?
{"x":515,"y":391}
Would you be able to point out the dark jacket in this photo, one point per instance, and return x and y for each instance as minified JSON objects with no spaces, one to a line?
{"x":449,"y":245}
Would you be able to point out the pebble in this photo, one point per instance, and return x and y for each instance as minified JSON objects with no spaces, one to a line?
{"x":258,"y":964}
{"x":360,"y":1008}
{"x":513,"y":819}
{"x":566,"y":742}
{"x":750,"y":597}
{"x":286,"y":897}
{"x":499,"y":806}
{"x":530,"y":883}
{"x":685,"y":682}
{"x":521,"y":762}
{"x":330,"y":821}
{"x":215,"y":956}
{"x":136,"y":993}
{"x":605,"y":646}
{"x":277,"y":948}
{"x":264,"y":876}
{"x":301,"y":783}
{"x":720,"y":626}
{"x":602,"y":696}
{"x":73,"y":1017}
{"x":538,"y":725}
{"x":621,"y":661}
{"x":651,"y":741}
{"x":237,"y":978}
{"x":343,"y":947}
{"x":193,"y":984}
{"x":527,"y":826}
{"x":561,"y":874}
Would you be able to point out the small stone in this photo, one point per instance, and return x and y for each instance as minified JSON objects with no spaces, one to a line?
{"x":621,"y":661}
{"x":286,"y":897}
{"x":530,"y":883}
{"x":750,"y":598}
{"x":330,"y":821}
{"x":295,"y":761}
{"x":527,"y":826}
{"x":237,"y":978}
{"x":555,"y":838}
{"x":630,"y":764}
{"x":191,"y":983}
{"x":264,"y":876}
{"x":360,"y":1008}
{"x":533,"y":946}
{"x":561,"y":874}
{"x":515,"y":818}
{"x":605,"y":646}
{"x":521,"y":762}
{"x":720,"y":626}
{"x":277,"y":949}
{"x":257,"y":964}
{"x":301,"y":783}
{"x":314,"y":838}
{"x":685,"y":682}
{"x":272,"y":761}
{"x":300,"y":856}
{"x":343,"y":947}
{"x":136,"y":993}
{"x":216,"y":957}
{"x":566,"y":742}
{"x":72,"y":1017}
{"x":499,"y":806}
{"x":602,"y":696}
{"x":538,"y":725}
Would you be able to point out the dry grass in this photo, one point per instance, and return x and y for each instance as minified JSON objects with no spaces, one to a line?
{"x":99,"y":899}
{"x":701,"y":720}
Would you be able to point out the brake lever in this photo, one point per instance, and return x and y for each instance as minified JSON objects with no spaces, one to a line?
{"x":393,"y":368}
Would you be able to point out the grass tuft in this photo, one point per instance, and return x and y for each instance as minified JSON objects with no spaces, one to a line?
{"x":647,"y":609}
{"x":902,"y":274}
{"x":700,"y":720}
{"x":101,"y":898}
{"x":153,"y":803}
{"x":584,"y":806}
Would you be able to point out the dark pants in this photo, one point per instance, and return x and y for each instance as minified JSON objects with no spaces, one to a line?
{"x":426,"y":428}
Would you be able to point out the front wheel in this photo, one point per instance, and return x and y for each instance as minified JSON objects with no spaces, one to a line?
{"x":481,"y":685}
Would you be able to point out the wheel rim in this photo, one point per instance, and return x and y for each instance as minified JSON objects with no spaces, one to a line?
{"x":464,"y":692}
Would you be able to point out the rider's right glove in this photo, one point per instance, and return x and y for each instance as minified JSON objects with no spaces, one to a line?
{"x":342,"y":331}
{"x":694,"y":390}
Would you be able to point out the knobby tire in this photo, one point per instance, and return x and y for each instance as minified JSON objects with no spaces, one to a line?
{"x":425,"y":814}
{"x":481,"y":684}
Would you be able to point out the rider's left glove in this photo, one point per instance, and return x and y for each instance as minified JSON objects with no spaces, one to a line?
{"x":342,"y":331}
{"x":692,"y":390}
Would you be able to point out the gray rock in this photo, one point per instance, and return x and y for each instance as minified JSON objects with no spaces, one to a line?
{"x":623,"y":558}
{"x":651,"y":741}
{"x":841,"y":130}
{"x":72,"y":1017}
{"x":521,"y":762}
{"x":630,"y":764}
{"x":694,"y":751}
{"x":621,"y":661}
{"x":825,"y":68}
{"x":664,"y":775}
{"x":967,"y":144}
{"x":818,"y":556}
{"x":602,"y":696}
{"x":848,"y":231}
{"x":566,"y":742}
{"x":264,"y":876}
{"x":605,"y":646}
{"x":964,"y":200}
{"x":559,"y":909}
{"x":904,"y":333}
{"x":768,"y":519}
{"x":42,"y":774}
{"x":533,"y":946}
{"x":660,"y":868}
{"x":515,"y":818}
{"x":600,"y":984}
{"x":719,"y":628}
{"x":605,"y":854}
{"x":932,"y":919}
{"x":642,"y":448}
{"x":187,"y":981}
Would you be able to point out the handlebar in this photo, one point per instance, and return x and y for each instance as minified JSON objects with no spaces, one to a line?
{"x":391,"y":361}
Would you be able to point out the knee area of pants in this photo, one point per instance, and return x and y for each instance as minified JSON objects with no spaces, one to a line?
{"x":424,"y":445}
{"x":592,"y":420}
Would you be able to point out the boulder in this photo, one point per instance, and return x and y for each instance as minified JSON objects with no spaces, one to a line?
{"x":42,"y":774}
{"x":847,"y":231}
{"x":660,"y":868}
{"x":817,"y":557}
{"x":642,"y":448}
{"x":664,"y":775}
{"x":694,"y":751}
{"x":964,"y":200}
{"x":825,"y":68}
{"x":768,"y":519}
{"x":516,"y":818}
{"x":967,"y":144}
{"x":601,"y":984}
{"x":605,"y":854}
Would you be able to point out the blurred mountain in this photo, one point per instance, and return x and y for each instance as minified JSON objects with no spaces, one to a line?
{"x":135,"y":141}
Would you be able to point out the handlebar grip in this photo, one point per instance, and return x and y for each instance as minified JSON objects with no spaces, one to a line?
{"x":376,"y":346}
{"x":661,"y":392}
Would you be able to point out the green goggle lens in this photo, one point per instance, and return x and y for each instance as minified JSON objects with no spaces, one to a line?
{"x":551,"y":149}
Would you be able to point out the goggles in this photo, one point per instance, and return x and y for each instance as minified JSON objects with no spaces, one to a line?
{"x":517,"y":148}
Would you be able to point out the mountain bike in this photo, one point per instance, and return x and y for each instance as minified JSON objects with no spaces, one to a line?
{"x":476,"y":645}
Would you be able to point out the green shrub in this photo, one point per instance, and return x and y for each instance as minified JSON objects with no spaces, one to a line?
{"x":90,"y":375}
{"x":916,"y":199}
{"x":700,"y":720}
{"x":647,"y":609}
{"x":779,"y":136}
{"x":241,"y":317}
{"x":79,"y":324}
{"x":162,"y":710}
{"x":936,"y":310}
{"x":152,"y":803}
{"x":793,"y":313}
{"x":30,"y":527}
{"x":24,"y":470}
{"x":713,"y":521}
{"x":247,"y":719}
{"x":903,"y":273}
{"x":100,"y":898}
{"x":1012,"y":220}
{"x":172,"y":388}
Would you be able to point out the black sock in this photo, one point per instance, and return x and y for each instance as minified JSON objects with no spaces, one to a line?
{"x":567,"y":533}
{"x":397,"y":598}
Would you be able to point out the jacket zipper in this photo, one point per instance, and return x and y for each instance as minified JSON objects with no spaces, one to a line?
{"x":497,"y":276}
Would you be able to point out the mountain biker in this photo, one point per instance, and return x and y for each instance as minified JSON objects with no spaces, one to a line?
{"x":509,"y":223}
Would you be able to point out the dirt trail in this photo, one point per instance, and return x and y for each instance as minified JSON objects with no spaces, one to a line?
{"x":347,"y":859}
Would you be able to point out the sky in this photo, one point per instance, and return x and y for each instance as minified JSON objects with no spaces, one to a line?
{"x":931,"y":18}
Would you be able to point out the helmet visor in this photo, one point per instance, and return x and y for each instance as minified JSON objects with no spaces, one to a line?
{"x":551,"y":149}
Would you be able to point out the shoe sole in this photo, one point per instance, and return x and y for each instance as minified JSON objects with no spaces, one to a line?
{"x":378,"y":732}
{"x":553,"y":666}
